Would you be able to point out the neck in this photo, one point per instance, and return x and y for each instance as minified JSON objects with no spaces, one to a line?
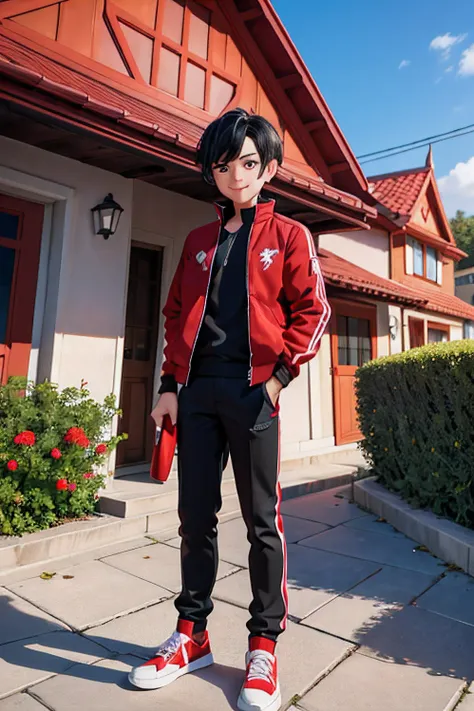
{"x":238,"y":207}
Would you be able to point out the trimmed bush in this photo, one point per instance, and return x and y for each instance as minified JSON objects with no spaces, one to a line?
{"x":416,"y":412}
{"x":52,"y":447}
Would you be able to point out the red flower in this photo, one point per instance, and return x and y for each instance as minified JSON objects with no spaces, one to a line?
{"x":72,"y":486}
{"x":56,"y":454}
{"x":26,"y":438}
{"x":76,"y":435}
{"x":12,"y":465}
{"x":61,"y":485}
{"x":101,"y":449}
{"x":89,"y":475}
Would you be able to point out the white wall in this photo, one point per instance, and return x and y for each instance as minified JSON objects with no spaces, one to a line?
{"x":81,"y":314}
{"x":455,"y":324}
{"x":369,"y":249}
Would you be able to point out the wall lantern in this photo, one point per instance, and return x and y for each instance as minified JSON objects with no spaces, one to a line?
{"x":106,"y":216}
{"x":393,"y":325}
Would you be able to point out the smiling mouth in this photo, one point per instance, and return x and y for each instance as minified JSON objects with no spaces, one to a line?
{"x":238,"y":189}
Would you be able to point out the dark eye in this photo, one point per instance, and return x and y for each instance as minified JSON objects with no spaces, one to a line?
{"x":250,"y":164}
{"x":221,"y":169}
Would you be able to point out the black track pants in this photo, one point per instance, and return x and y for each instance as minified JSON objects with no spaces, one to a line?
{"x":214,"y":413}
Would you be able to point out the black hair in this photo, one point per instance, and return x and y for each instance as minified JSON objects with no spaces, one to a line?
{"x":223,"y":139}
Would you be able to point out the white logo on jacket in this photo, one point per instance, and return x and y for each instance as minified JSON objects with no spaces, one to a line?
{"x":266,"y":257}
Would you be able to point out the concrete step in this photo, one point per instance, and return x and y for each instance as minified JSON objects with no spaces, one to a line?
{"x":141,"y":507}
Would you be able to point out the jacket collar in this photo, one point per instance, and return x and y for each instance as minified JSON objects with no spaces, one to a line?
{"x":262,"y":211}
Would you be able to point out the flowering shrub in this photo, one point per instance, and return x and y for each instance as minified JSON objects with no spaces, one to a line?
{"x":416,"y":412}
{"x":52,"y":445}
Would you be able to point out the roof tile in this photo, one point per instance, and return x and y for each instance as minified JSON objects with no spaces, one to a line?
{"x":399,"y":192}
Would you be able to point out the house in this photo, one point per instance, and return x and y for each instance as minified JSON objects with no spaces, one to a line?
{"x":464,"y":288}
{"x":102,"y":97}
{"x":411,"y":245}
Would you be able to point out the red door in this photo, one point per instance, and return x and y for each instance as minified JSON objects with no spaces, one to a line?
{"x":20,"y":241}
{"x":353,"y":342}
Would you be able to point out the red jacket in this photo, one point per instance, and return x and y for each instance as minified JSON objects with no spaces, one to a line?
{"x":287,"y":306}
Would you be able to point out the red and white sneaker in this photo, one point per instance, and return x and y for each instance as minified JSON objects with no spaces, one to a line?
{"x":179,"y":655}
{"x":261,"y":690}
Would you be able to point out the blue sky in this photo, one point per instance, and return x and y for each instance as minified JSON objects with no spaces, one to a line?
{"x":355,"y":50}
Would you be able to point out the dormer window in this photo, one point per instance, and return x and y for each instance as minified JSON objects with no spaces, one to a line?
{"x":423,"y":261}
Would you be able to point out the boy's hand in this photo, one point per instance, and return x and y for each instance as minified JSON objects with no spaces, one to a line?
{"x":167,"y":405}
{"x":274,"y":388}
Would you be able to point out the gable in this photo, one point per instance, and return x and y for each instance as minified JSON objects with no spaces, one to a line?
{"x":183,"y":53}
{"x":428,"y":214}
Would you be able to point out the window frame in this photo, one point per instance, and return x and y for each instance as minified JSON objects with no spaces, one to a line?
{"x":441,"y":327}
{"x":412,"y":242}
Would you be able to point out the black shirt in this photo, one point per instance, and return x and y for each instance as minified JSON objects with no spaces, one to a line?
{"x":222,"y":348}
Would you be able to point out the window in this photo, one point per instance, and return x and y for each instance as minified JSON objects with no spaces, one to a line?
{"x":354,"y":343}
{"x":431,"y":264}
{"x":418,"y":261}
{"x":438,"y":333}
{"x":182,"y":51}
{"x":466,"y":279}
{"x":425,"y":260}
{"x":469,"y":329}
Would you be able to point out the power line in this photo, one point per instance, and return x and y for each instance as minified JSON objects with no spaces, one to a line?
{"x":414,"y":147}
{"x":423,"y":141}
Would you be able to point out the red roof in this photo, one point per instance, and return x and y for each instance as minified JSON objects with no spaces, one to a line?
{"x":25,"y":65}
{"x":399,"y":191}
{"x":346,"y":275}
{"x":439,"y":301}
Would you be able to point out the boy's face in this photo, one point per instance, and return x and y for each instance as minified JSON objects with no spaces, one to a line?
{"x":240,"y":179}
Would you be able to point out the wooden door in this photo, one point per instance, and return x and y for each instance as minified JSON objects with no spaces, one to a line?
{"x":416,"y":330}
{"x":21,"y":224}
{"x":141,"y":335}
{"x":354,"y":342}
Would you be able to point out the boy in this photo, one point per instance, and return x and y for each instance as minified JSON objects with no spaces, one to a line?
{"x":246,"y":308}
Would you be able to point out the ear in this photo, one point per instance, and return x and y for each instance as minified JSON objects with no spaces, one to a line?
{"x":271,"y":170}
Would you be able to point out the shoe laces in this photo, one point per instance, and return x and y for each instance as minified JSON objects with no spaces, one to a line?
{"x":170,"y":646}
{"x":261,"y":665}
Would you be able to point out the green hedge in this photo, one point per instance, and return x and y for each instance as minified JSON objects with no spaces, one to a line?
{"x":416,"y":412}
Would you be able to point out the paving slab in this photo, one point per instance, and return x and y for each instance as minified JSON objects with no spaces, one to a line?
{"x":95,"y":593}
{"x":20,"y":702}
{"x":214,"y":688}
{"x":314,"y":578}
{"x":374,"y":524}
{"x":20,"y":619}
{"x":159,"y":564}
{"x":37,"y":658}
{"x":389,"y":589}
{"x":330,"y":507}
{"x":298,"y":528}
{"x":453,"y":597}
{"x":376,"y":547}
{"x":438,"y":644}
{"x":363,"y":684}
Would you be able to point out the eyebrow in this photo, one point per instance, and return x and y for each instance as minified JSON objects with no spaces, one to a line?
{"x":249,"y":155}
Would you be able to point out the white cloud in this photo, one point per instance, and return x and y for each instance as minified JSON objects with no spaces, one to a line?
{"x":466,"y":65}
{"x":445,"y":43}
{"x":457,"y":188}
{"x":404,"y":63}
{"x":449,"y":69}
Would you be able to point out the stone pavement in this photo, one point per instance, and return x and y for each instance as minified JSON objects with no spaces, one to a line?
{"x":375,"y":624}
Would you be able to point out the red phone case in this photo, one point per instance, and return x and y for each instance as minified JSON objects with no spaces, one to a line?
{"x":163,"y":451}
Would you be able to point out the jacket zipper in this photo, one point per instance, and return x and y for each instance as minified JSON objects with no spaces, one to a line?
{"x":248,"y":303}
{"x":231,"y":244}
{"x":205,"y":304}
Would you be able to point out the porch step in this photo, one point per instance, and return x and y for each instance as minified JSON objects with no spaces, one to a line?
{"x":148,"y":509}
